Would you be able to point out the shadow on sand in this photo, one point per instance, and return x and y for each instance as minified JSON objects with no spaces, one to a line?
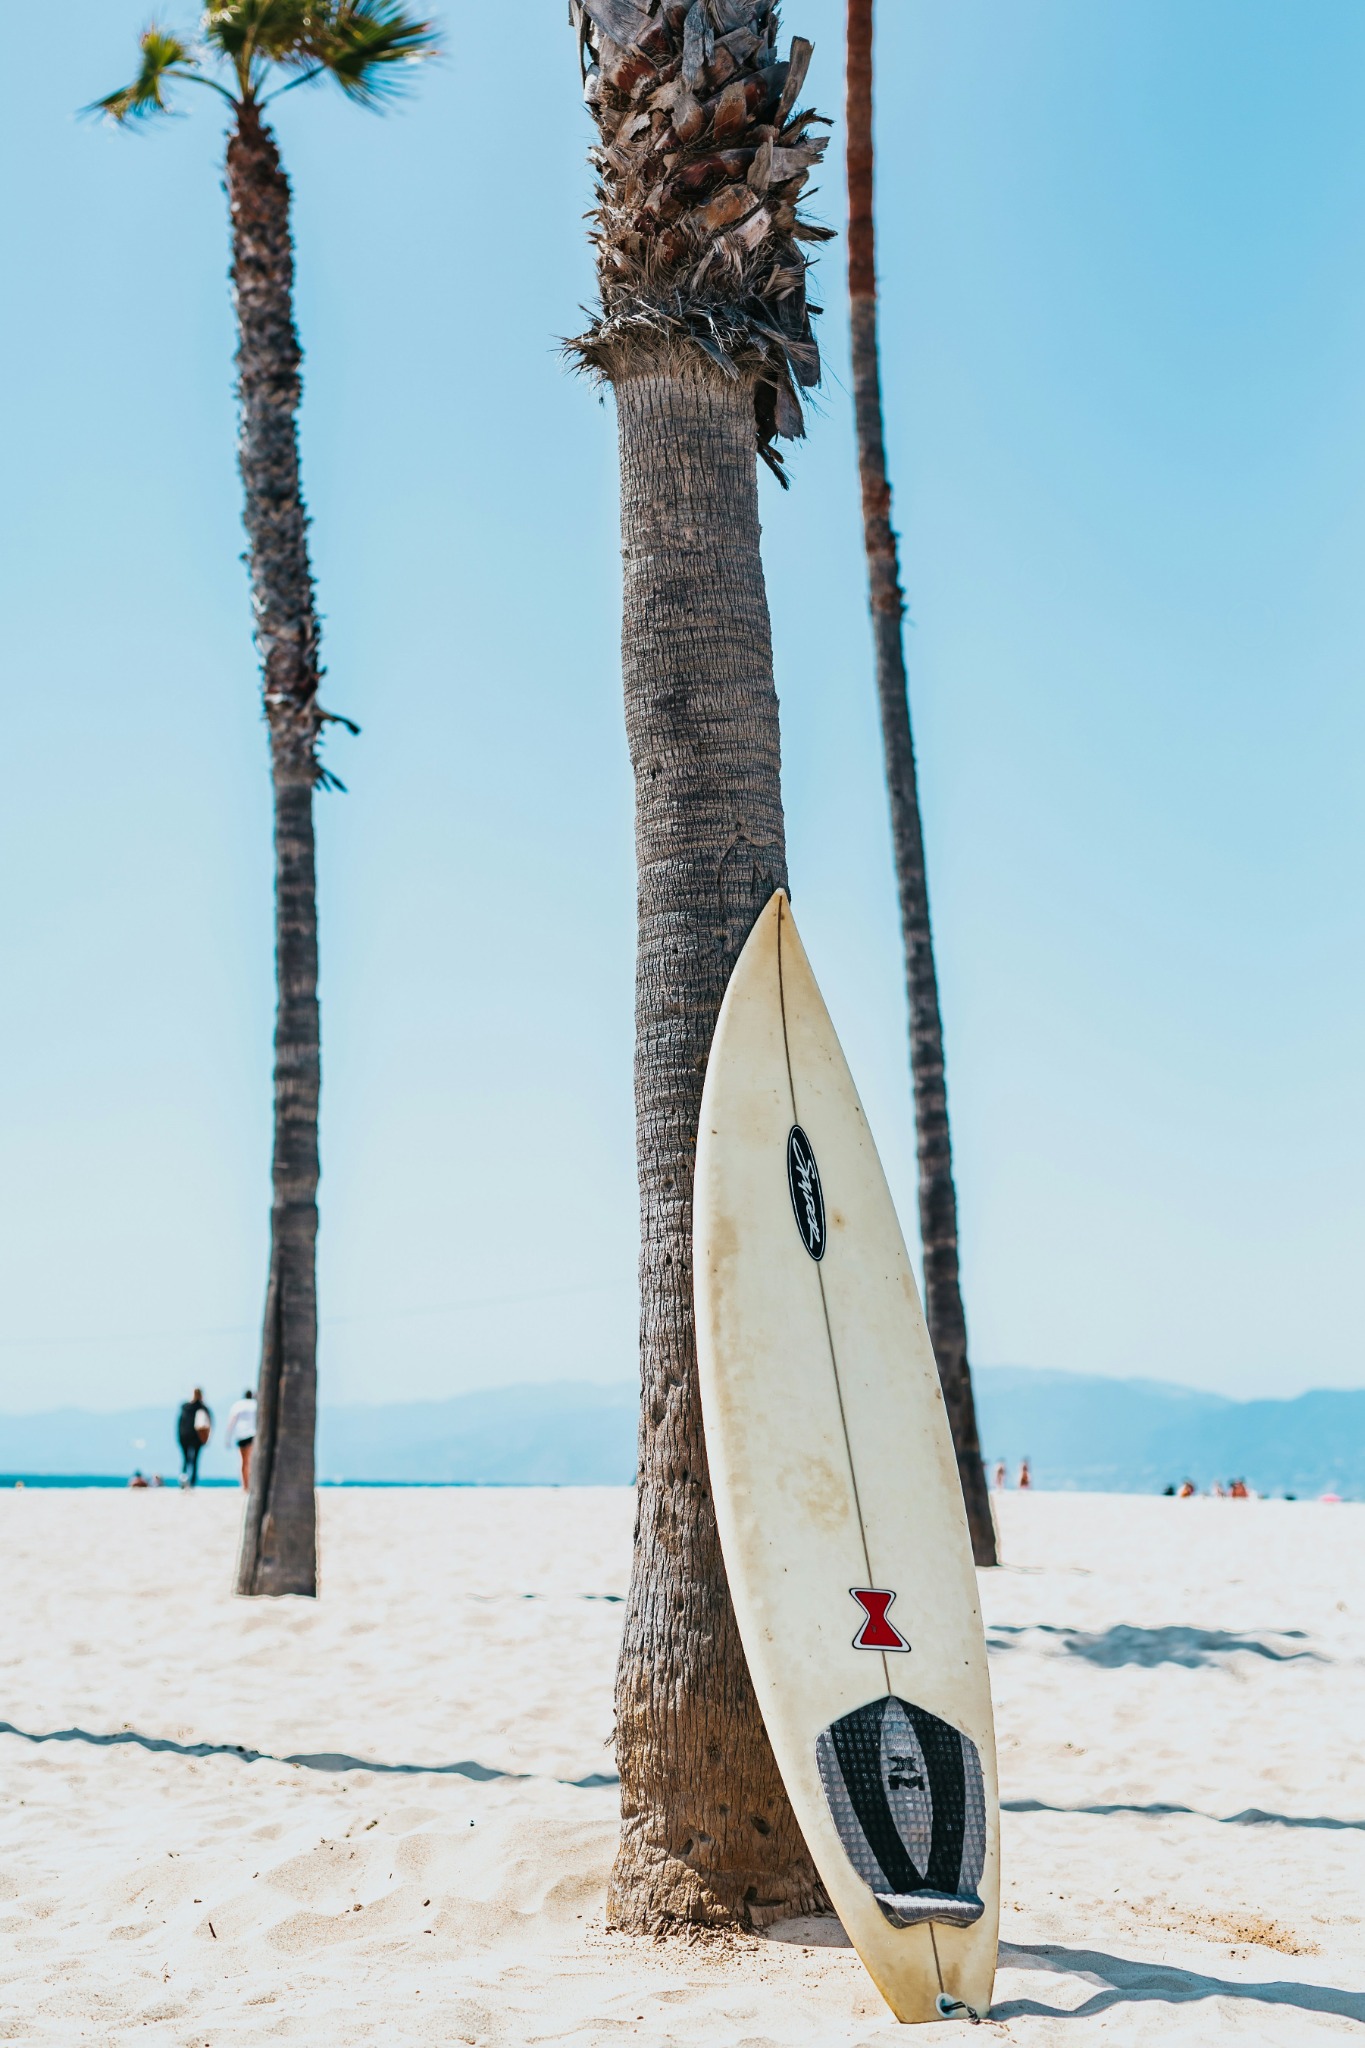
{"x":1251,"y":1817}
{"x":1123,"y":1644}
{"x":322,"y":1760}
{"x":1120,"y":1982}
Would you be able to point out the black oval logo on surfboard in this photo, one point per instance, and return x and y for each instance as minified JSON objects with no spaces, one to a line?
{"x":808,"y":1197}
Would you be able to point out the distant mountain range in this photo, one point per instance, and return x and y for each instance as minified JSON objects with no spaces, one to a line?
{"x":1078,"y":1431}
{"x":1137,"y":1436}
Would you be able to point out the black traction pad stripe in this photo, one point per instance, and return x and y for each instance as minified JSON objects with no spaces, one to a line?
{"x":942,"y":1748}
{"x":858,"y":1746}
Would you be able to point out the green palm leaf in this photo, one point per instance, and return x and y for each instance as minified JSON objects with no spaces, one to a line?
{"x":361,"y":42}
{"x":163,"y":56}
{"x":356,"y":41}
{"x":248,"y":29}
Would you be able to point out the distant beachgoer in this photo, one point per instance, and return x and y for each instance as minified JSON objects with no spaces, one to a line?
{"x":1217,"y":1490}
{"x":241,"y":1430}
{"x":1187,"y":1490}
{"x":1238,"y":1490}
{"x":138,"y":1481}
{"x":1168,"y":1492}
{"x":1025,"y":1476}
{"x":193,"y":1429}
{"x":1000,"y":1476}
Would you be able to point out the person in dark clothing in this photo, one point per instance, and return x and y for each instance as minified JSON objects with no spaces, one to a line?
{"x":193,"y":1427}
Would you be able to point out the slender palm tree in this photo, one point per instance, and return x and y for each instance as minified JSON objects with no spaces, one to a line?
{"x":703,"y":331}
{"x":246,"y":53}
{"x":937,"y":1195}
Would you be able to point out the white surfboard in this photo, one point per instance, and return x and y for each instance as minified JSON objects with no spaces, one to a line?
{"x":837,"y":1495}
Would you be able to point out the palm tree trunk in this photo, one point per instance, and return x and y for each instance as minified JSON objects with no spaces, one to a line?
{"x":708,"y":1836}
{"x":937,"y":1195}
{"x":279,"y":1536}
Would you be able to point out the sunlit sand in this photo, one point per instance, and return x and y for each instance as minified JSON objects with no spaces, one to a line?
{"x":1182,"y":1747}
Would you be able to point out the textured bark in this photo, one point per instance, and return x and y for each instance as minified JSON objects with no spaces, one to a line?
{"x":708,"y":1836}
{"x":937,"y":1195}
{"x":279,"y":1536}
{"x":704,"y":330}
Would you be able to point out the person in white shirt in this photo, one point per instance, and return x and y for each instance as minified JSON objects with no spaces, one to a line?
{"x":241,"y":1430}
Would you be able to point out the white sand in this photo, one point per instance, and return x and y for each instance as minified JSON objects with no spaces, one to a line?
{"x":157,"y":1897}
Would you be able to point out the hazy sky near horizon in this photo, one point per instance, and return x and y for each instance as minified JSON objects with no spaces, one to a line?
{"x":1123,"y":254}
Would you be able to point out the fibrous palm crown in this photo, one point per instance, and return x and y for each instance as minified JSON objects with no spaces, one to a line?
{"x":702,"y":159}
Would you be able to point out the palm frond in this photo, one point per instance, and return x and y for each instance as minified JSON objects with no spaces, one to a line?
{"x":162,"y":56}
{"x":360,"y":43}
{"x":277,"y":30}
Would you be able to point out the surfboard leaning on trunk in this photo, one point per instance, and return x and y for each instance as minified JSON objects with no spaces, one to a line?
{"x":837,"y":1497}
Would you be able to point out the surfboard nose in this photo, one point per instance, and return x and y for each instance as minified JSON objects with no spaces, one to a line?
{"x":759,"y":952}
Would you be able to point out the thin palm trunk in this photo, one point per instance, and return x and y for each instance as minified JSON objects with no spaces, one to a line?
{"x":257,"y":51}
{"x":937,"y":1195}
{"x":707,"y":1832}
{"x":279,"y":1537}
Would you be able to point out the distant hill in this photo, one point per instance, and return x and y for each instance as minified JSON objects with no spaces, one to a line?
{"x":1079,"y":1431}
{"x":1136,"y":1436}
{"x":565,"y":1434}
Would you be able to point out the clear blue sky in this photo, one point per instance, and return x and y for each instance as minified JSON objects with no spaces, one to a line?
{"x":1124,"y":264}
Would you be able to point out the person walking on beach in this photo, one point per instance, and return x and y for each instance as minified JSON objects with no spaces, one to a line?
{"x":193,"y":1428}
{"x":1000,"y":1477}
{"x":1025,"y":1476}
{"x":241,"y":1431}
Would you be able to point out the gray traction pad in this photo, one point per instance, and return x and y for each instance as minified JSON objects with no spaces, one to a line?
{"x":906,"y":1796}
